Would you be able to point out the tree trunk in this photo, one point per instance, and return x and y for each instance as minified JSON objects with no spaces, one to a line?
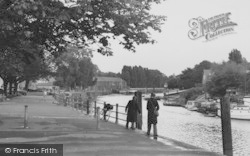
{"x":26,"y":85}
{"x":15,"y":87}
{"x":10,"y":88}
{"x":5,"y":86}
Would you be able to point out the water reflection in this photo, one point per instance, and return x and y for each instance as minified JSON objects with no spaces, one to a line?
{"x":192,"y":127}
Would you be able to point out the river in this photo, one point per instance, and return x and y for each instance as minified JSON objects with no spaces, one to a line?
{"x":189,"y":127}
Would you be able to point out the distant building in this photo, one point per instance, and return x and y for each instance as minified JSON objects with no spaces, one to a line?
{"x":45,"y":84}
{"x":109,"y":84}
{"x":207,"y":75}
{"x":39,"y":84}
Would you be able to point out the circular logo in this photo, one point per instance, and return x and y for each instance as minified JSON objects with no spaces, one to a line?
{"x":7,"y":150}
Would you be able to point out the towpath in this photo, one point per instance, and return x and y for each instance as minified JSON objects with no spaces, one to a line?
{"x":49,"y":123}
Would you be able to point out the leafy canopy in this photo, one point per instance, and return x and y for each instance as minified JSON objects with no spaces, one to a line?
{"x":55,"y":23}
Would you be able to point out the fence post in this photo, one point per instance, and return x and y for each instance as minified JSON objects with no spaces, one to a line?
{"x":97,"y":118}
{"x":226,"y":126}
{"x":116,"y":115}
{"x":88,"y":106}
{"x":78,"y":103}
{"x":95,"y":110}
{"x":25,"y":116}
{"x":104,"y":111}
{"x":139,"y":117}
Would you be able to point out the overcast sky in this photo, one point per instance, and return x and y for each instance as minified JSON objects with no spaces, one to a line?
{"x":174,"y":50}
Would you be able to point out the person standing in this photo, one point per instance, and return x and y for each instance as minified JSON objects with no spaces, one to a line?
{"x":152,"y":105}
{"x":132,"y":109}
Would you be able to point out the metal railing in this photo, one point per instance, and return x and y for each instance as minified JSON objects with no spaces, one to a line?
{"x":98,"y":108}
{"x":84,"y":105}
{"x":77,"y":103}
{"x":112,"y":113}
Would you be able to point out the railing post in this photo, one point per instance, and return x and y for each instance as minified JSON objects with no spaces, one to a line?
{"x":97,"y":118}
{"x":81,"y":105}
{"x":139,"y":104}
{"x":25,"y":116}
{"x":88,"y":106}
{"x":95,"y":110}
{"x":104,"y":112}
{"x":116,"y":115}
{"x":78,"y":103}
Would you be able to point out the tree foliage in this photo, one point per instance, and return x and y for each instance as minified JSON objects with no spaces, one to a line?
{"x":74,"y":72}
{"x":231,"y":74}
{"x":53,"y":23}
{"x":33,"y":31}
{"x":189,"y":77}
{"x":142,"y":77}
{"x":235,"y":56}
{"x":226,"y":75}
{"x":14,"y":70}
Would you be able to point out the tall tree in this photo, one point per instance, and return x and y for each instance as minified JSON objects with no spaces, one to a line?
{"x":74,"y":71}
{"x":53,"y":24}
{"x":226,"y":75}
{"x":143,"y":77}
{"x":173,"y":82}
{"x":235,"y":56}
{"x":190,"y":77}
{"x":31,"y":28}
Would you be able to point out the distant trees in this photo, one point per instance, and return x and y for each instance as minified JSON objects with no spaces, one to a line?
{"x":143,"y":77}
{"x":235,"y":56}
{"x":108,"y":74}
{"x":235,"y":73}
{"x":189,"y":77}
{"x":226,"y":75}
{"x":173,"y":81}
{"x":231,"y":74}
{"x":74,"y":71}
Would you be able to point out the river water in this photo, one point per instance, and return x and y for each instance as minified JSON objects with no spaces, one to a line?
{"x":187,"y":126}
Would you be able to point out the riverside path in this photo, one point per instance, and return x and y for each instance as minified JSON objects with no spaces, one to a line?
{"x":49,"y":123}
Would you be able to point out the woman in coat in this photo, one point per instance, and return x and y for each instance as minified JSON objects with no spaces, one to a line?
{"x":152,"y":105}
{"x":132,"y":109}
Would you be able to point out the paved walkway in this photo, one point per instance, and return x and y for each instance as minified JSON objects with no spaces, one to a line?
{"x":50,"y":123}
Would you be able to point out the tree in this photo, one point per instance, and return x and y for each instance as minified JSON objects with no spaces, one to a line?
{"x":53,"y":24}
{"x":235,"y":56}
{"x":126,"y":74}
{"x":226,"y":75}
{"x":45,"y":28}
{"x":108,"y":74}
{"x":198,"y":70}
{"x":173,"y":82}
{"x":74,"y":71}
{"x":143,"y":77}
{"x":190,"y":77}
{"x":186,"y":78}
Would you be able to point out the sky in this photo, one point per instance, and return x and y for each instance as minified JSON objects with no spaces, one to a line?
{"x":174,"y":50}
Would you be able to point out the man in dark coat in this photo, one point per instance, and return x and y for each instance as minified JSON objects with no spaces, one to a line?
{"x":132,"y":109}
{"x":152,"y":105}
